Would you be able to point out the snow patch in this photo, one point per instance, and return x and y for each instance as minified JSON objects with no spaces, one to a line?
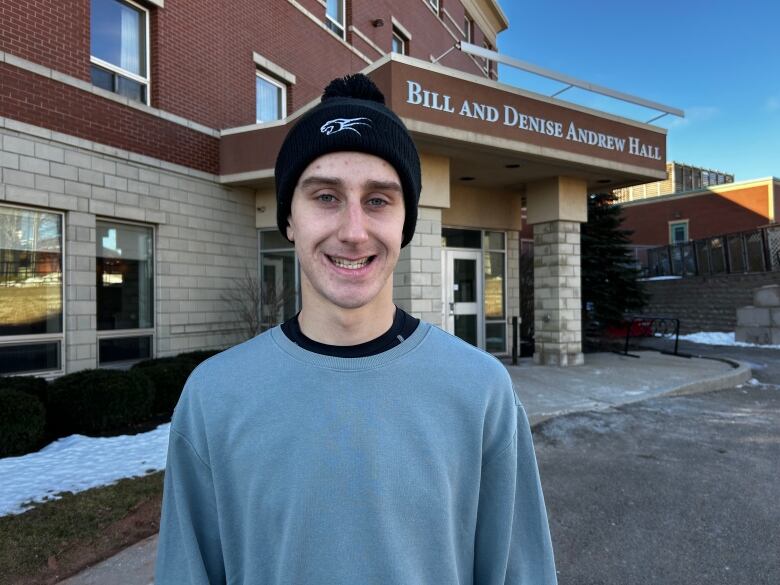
{"x":718,"y":338}
{"x":77,"y":463}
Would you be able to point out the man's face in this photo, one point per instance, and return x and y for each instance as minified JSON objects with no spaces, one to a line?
{"x":346,"y":221}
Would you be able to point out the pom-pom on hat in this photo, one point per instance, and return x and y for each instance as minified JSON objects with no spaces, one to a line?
{"x":352,"y":116}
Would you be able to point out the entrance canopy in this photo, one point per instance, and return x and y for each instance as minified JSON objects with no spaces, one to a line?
{"x":495,"y":134}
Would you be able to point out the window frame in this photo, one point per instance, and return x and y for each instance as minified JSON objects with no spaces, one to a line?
{"x":147,"y":81}
{"x":434,"y":5}
{"x":398,"y":35}
{"x":273,"y":81}
{"x":469,"y":32}
{"x":124,"y":333}
{"x":261,"y":250}
{"x":676,"y":223}
{"x":34,"y":338}
{"x":331,"y":22}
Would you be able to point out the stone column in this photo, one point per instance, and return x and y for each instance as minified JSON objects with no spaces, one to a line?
{"x":80,"y":292}
{"x":557,"y":294}
{"x":417,"y":276}
{"x":556,"y":207}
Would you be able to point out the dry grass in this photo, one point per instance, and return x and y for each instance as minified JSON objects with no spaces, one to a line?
{"x":59,"y":538}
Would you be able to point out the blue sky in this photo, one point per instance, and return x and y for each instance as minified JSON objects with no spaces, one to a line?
{"x":717,"y":60}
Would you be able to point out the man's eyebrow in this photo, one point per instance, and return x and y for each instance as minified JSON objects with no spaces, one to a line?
{"x":336,"y":182}
{"x":383,"y":186}
{"x":321,"y":180}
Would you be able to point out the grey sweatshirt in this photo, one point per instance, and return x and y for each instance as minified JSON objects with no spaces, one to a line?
{"x":412,"y":466}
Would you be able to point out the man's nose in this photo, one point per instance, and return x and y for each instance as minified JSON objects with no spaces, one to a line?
{"x":353,"y":223}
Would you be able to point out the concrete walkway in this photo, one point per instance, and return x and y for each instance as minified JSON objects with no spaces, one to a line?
{"x":604,"y":381}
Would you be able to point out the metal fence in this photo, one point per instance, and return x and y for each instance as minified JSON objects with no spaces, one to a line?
{"x":752,"y":251}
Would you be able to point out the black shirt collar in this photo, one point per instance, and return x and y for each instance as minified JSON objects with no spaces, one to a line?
{"x":403,"y":326}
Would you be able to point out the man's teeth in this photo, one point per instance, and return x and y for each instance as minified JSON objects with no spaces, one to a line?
{"x":351,"y":264}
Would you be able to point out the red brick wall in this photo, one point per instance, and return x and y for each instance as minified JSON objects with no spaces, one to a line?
{"x":34,"y":99}
{"x":50,"y":33}
{"x":709,"y":214}
{"x":201,"y":61}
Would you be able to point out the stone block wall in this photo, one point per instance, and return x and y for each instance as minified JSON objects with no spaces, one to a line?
{"x":205,"y":236}
{"x":760,"y":322}
{"x":417,"y":276}
{"x":706,"y":303}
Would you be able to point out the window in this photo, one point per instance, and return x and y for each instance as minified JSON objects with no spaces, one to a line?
{"x":31,"y":291}
{"x":468,"y":28}
{"x":488,"y":62}
{"x":434,"y":4}
{"x":334,"y":16}
{"x":494,"y":265}
{"x":400,"y":44}
{"x":120,"y":48}
{"x":271,"y":99}
{"x":678,"y":232}
{"x":125,"y":292}
{"x":278,"y":279}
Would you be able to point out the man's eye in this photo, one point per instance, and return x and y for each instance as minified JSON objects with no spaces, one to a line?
{"x":377,"y":202}
{"x":326,"y":197}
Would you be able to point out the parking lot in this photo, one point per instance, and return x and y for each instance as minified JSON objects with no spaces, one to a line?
{"x":670,"y":490}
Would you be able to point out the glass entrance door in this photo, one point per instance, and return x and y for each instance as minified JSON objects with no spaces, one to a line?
{"x":462,"y":292}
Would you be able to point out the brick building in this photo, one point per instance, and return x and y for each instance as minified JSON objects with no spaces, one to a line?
{"x":136,"y":184}
{"x":703,"y":213}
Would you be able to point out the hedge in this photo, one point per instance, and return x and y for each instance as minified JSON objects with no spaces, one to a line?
{"x":168,"y":376}
{"x":22,"y":422}
{"x":38,"y":387}
{"x":97,"y":401}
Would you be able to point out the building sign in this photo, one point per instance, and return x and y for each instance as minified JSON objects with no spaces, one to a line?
{"x":431,"y":96}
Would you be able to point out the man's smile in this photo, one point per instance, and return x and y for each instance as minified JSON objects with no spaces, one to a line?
{"x":350,"y":264}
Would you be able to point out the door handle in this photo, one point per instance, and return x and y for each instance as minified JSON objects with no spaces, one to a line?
{"x":452,"y":308}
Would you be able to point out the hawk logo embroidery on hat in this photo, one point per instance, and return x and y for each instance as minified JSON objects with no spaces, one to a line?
{"x":338,"y":124}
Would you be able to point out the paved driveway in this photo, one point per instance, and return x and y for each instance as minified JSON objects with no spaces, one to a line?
{"x":672,"y":490}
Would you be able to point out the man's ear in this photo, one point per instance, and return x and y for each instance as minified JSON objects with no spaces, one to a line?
{"x":289,"y":229}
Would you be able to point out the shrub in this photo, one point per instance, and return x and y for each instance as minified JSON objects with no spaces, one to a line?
{"x":99,"y":401}
{"x":27,"y":384}
{"x":22,"y":422}
{"x":198,"y":356}
{"x":167,"y":376}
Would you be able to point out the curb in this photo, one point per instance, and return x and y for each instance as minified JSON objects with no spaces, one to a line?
{"x":741,"y":374}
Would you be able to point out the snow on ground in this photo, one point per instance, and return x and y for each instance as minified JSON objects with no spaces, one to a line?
{"x":717,"y":338}
{"x":77,"y":463}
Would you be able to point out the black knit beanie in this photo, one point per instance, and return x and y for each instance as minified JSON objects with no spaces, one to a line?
{"x":352,"y":116}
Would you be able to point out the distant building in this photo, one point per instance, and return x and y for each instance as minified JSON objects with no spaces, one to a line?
{"x":681,"y":178}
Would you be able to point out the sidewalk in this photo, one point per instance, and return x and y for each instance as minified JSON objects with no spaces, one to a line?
{"x":605,"y":380}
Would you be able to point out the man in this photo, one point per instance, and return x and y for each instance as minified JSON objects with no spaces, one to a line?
{"x":353,"y":444}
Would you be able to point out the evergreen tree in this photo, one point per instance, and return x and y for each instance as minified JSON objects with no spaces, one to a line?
{"x":610,"y":286}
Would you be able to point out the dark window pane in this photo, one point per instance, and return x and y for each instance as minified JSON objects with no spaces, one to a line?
{"x":465,"y":281}
{"x":125,"y":276}
{"x":495,"y":337}
{"x":30,"y":272}
{"x":458,"y":238}
{"x":466,"y":328}
{"x":130,"y":89}
{"x":272,"y":239}
{"x":277,"y":294}
{"x":102,"y":78}
{"x":124,"y":349}
{"x":494,"y":240}
{"x":118,"y":35}
{"x":30,"y":357}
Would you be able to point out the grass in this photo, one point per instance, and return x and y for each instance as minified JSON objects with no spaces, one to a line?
{"x":58,"y":538}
